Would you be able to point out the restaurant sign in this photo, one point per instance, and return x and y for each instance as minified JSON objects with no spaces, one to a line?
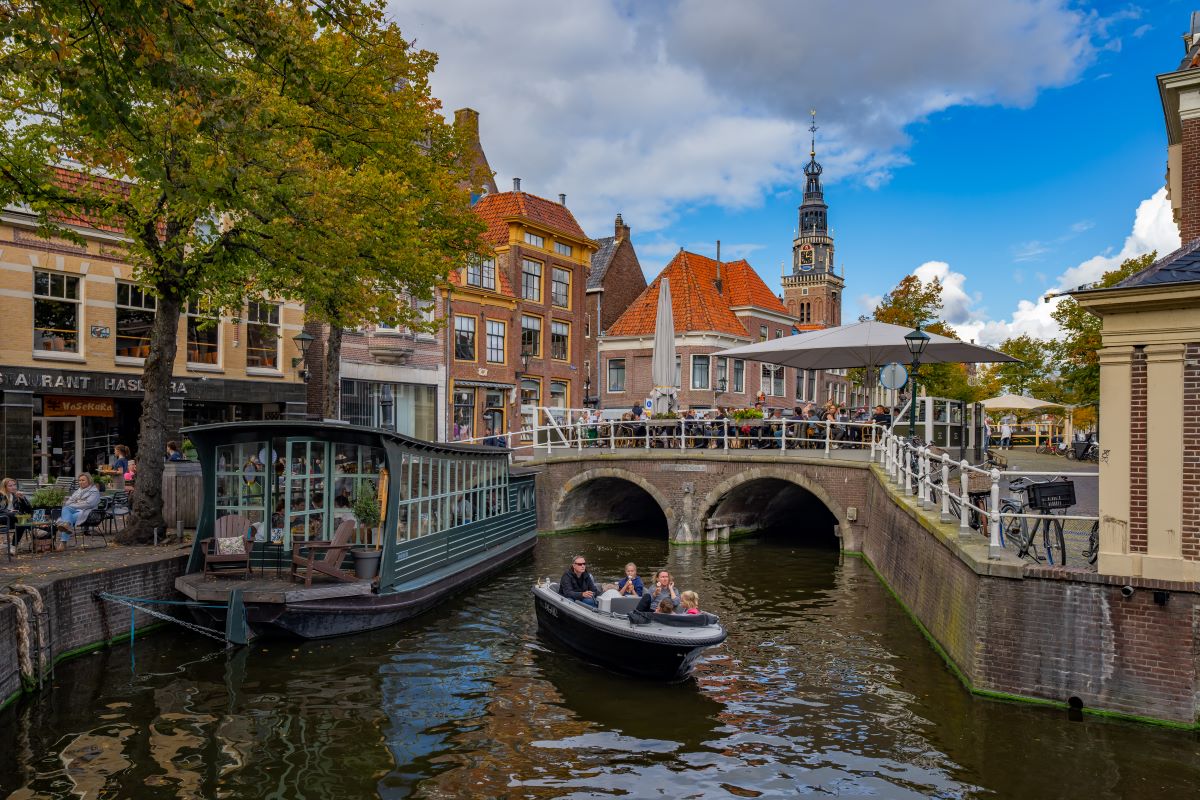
{"x":53,"y":406}
{"x":83,"y":381}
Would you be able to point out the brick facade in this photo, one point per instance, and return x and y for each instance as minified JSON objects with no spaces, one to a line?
{"x":1189,"y":204}
{"x":616,"y":280}
{"x":1190,"y":533}
{"x":1137,"y":453}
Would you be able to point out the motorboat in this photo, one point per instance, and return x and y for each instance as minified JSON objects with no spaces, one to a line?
{"x":619,"y":637}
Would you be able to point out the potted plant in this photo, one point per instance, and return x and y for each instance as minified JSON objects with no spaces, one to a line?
{"x":366,"y":511}
{"x":50,"y":497}
{"x":103,"y":480}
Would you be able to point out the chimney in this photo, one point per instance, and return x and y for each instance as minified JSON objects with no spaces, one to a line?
{"x":718,"y":280}
{"x":516,"y":184}
{"x":620,"y":229}
{"x":466,"y":121}
{"x":562,"y":199}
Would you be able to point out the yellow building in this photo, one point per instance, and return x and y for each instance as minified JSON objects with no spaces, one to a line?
{"x":75,"y":330}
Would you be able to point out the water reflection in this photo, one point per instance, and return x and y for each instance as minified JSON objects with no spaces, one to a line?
{"x":824,"y":686}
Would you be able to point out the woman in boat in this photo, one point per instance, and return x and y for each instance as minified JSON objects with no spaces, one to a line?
{"x":664,"y":586}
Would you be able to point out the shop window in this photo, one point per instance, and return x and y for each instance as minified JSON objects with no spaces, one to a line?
{"x":560,"y":287}
{"x":464,"y":338}
{"x":616,"y":374}
{"x":739,"y":375}
{"x":531,"y":280}
{"x":534,"y":239}
{"x":203,"y":335}
{"x":495,"y":341}
{"x":700,"y":367}
{"x":135,"y":318}
{"x":560,"y":340}
{"x":531,"y":398}
{"x":481,"y":273}
{"x":262,"y":335}
{"x":56,"y":312}
{"x":464,"y":413}
{"x":563,"y":249}
{"x":531,"y":336}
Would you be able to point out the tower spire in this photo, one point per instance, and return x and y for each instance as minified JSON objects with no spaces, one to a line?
{"x":812,"y":150}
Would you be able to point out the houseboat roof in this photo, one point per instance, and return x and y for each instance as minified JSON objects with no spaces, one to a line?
{"x":339,"y":431}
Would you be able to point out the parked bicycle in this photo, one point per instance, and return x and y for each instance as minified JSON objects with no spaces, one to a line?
{"x":1039,"y":497}
{"x":1058,"y":447}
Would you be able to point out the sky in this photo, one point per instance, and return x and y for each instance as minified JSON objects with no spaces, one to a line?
{"x":1010,"y":148}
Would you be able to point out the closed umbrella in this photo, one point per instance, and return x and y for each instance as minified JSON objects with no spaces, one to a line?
{"x":663,"y":367}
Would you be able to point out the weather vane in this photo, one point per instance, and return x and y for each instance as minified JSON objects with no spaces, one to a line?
{"x":813,"y":149}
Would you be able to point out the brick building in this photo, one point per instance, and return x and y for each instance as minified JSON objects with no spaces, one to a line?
{"x":518,"y":320}
{"x":615,"y":281}
{"x":76,"y":334}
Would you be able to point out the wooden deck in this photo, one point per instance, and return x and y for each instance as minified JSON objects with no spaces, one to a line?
{"x":266,"y":589}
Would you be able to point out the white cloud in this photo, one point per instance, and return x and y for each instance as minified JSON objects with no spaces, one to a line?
{"x":651,"y":109}
{"x":1153,"y":230}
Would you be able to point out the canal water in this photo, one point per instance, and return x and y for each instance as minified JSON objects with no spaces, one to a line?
{"x":824,"y":687}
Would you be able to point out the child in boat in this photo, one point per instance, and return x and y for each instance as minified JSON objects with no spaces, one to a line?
{"x":631,"y":584}
{"x":689,"y":603}
{"x":665,"y":606}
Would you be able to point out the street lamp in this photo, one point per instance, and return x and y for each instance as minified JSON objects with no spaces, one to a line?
{"x":916,"y":340}
{"x":524,"y":362}
{"x":302,"y":339}
{"x":721,"y":386}
{"x":386,"y":403}
{"x":587,"y":392}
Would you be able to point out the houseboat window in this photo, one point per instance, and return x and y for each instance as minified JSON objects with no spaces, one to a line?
{"x":242,"y":478}
{"x":444,"y":493}
{"x":358,"y":469}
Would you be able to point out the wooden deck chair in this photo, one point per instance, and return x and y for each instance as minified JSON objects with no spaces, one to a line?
{"x":228,"y":551}
{"x":324,"y":558}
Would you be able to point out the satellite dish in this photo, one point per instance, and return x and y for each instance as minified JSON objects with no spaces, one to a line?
{"x":893,"y":376}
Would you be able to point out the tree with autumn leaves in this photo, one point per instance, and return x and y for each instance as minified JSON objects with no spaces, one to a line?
{"x":248,"y":149}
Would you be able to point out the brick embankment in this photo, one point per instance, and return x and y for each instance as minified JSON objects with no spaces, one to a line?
{"x":75,"y":620}
{"x":1016,"y":630}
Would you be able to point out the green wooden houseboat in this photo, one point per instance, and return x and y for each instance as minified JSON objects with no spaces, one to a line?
{"x":278,"y":523}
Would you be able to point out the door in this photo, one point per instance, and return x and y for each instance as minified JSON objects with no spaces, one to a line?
{"x":57,"y":447}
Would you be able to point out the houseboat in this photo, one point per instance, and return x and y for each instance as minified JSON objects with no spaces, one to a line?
{"x":290,"y":507}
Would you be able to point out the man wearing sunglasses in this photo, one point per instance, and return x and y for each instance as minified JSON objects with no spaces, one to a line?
{"x":577,"y":584}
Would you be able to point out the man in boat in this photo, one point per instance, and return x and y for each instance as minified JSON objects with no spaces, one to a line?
{"x":577,"y":584}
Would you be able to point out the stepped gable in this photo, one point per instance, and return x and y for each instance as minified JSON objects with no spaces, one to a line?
{"x":695,"y":301}
{"x":497,"y":209}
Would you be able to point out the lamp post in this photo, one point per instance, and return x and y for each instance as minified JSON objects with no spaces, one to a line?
{"x":386,"y":403}
{"x":916,"y":340}
{"x":587,"y":392}
{"x":303,"y":340}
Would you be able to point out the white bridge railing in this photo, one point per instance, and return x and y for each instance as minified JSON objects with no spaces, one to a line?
{"x":566,"y":429}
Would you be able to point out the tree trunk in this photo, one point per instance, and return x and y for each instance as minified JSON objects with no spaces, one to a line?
{"x":331,"y":404}
{"x":152,"y":441}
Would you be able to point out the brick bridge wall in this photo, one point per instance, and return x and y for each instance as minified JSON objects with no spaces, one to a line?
{"x":1008,"y":628}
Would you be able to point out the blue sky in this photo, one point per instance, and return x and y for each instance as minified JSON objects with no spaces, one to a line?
{"x":1006,"y":147}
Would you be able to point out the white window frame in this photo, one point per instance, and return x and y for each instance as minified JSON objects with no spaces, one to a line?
{"x":566,"y":326}
{"x":50,"y":297}
{"x":474,"y":331}
{"x":489,"y":335}
{"x":481,"y":273}
{"x":541,"y":274}
{"x":567,"y":294}
{"x":535,"y":240}
{"x":564,"y":249}
{"x":254,"y":317}
{"x":148,"y":303}
{"x":540,"y":328}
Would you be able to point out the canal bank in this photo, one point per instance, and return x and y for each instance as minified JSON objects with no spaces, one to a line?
{"x":1103,"y":644}
{"x":60,"y":615}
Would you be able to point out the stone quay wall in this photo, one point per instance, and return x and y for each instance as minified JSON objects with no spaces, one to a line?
{"x":76,"y":620}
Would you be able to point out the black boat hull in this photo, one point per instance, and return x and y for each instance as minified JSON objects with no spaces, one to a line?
{"x":343,"y":616}
{"x":653,"y":660}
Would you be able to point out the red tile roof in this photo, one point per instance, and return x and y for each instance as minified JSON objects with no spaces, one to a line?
{"x":75,"y":181}
{"x":695,"y":303}
{"x":497,"y":209}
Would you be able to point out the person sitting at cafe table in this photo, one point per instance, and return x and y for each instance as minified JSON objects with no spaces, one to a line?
{"x":76,"y":508}
{"x":577,"y":584}
{"x":13,"y":504}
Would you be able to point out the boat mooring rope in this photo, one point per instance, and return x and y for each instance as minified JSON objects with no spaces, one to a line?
{"x":143,"y":604}
{"x":24,"y":662}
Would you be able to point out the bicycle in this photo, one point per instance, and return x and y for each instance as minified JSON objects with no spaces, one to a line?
{"x":977,"y":497}
{"x":1016,"y":528}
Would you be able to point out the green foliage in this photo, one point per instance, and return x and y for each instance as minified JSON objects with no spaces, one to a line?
{"x":1078,"y":348}
{"x":48,"y":497}
{"x":665,"y":415}
{"x":366,"y":504}
{"x":102,"y":479}
{"x":266,"y":149}
{"x":746,"y":413}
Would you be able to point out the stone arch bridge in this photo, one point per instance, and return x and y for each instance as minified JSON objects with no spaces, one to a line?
{"x":705,"y":496}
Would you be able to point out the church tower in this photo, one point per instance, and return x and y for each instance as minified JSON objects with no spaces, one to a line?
{"x":812,"y":291}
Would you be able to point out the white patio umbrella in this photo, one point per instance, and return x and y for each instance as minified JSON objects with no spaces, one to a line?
{"x":1016,"y":402}
{"x":663,"y":365}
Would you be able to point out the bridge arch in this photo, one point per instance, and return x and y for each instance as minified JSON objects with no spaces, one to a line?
{"x":610,"y":495}
{"x":770,"y":496}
